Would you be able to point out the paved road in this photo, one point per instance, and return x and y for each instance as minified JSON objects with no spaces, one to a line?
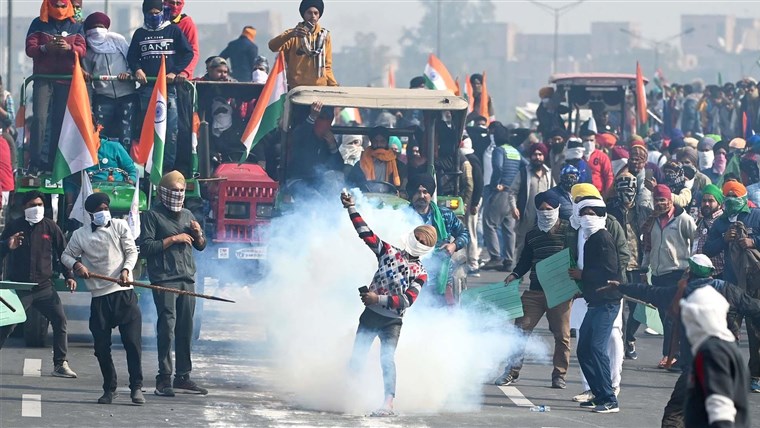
{"x":229,"y":360}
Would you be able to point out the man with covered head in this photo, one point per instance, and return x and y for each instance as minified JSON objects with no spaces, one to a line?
{"x":633,"y":217}
{"x":546,"y":239}
{"x":711,"y":209}
{"x":451,"y":232}
{"x":533,"y":179}
{"x":723,"y":238}
{"x":307,"y":48}
{"x":644,"y":171}
{"x":108,"y":248}
{"x":567,"y":179}
{"x":394,"y":288}
{"x":33,"y":245}
{"x":168,"y":234}
{"x":378,"y":162}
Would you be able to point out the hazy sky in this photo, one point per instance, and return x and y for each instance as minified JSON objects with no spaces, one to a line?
{"x":387,"y":18}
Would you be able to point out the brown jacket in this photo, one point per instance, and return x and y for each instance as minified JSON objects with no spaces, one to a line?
{"x":302,"y":69}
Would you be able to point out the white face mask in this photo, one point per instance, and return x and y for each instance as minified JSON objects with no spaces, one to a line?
{"x":547,"y":219}
{"x":706,"y":159}
{"x":259,"y":76}
{"x":592,"y":224}
{"x":101,"y":218}
{"x":97,"y":34}
{"x":588,"y":148}
{"x":34,"y":215}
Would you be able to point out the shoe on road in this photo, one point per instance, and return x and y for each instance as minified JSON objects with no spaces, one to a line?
{"x":651,"y":331}
{"x":754,"y":385}
{"x":584,"y":396}
{"x":610,"y":407}
{"x":63,"y":370}
{"x":187,"y":386}
{"x":559,"y":383}
{"x":507,"y":378}
{"x":164,"y":388}
{"x":630,"y":351}
{"x":588,"y":404}
{"x":137,"y":396}
{"x":492,"y":264}
{"x":474,"y":273}
{"x":108,"y":397}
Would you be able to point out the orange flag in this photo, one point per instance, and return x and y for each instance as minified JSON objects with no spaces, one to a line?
{"x":641,"y":96}
{"x":483,"y":107}
{"x":391,"y":77}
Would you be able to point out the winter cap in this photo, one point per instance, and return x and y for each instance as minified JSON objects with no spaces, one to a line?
{"x":706,"y":144}
{"x":152,"y":4}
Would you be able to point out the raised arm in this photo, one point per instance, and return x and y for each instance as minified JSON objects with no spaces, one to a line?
{"x":368,"y":236}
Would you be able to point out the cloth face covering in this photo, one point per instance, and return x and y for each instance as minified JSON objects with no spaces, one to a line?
{"x":414,"y":247}
{"x":547,"y":219}
{"x":173,"y":200}
{"x":34,"y":215}
{"x":706,"y":159}
{"x":153,"y":22}
{"x":734,"y":205}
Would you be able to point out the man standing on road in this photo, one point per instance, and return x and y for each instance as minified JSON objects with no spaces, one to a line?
{"x":108,"y":248}
{"x":169,"y":233}
{"x":34,"y":245}
{"x":543,"y":241}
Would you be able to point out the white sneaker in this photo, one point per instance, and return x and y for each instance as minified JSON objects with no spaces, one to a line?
{"x":650,"y":331}
{"x":584,"y":397}
{"x":63,"y":370}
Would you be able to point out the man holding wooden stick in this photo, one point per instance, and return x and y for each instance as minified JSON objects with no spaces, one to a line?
{"x":168,"y":235}
{"x":107,"y":246}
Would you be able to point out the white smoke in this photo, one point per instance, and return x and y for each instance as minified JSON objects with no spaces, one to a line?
{"x":309,"y":305}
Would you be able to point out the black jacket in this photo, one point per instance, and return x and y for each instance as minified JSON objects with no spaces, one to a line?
{"x":175,"y":263}
{"x":600,"y":264}
{"x":39,"y":255}
{"x":477,"y":179}
{"x":242,"y":53}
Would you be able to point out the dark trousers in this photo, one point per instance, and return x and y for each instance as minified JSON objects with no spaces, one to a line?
{"x":46,"y":300}
{"x":373,"y":325}
{"x":116,"y":116}
{"x":175,"y":324}
{"x":49,"y":106}
{"x":753,"y":337}
{"x":183,"y":162}
{"x":594,"y":335}
{"x":107,"y":312}
{"x":632,"y":324}
{"x":534,"y":307}
{"x":673,"y":416}
{"x":667,"y":280}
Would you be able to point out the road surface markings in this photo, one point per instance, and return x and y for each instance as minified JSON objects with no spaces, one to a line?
{"x":516,"y":396}
{"x":32,"y":367}
{"x":31,"y":405}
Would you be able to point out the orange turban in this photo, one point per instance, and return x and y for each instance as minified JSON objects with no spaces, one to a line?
{"x":606,"y":140}
{"x":250,"y":33}
{"x":736,"y":187}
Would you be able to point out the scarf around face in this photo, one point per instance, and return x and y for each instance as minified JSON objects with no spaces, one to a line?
{"x":173,"y":200}
{"x":106,"y":43}
{"x":388,"y":156}
{"x":48,"y":10}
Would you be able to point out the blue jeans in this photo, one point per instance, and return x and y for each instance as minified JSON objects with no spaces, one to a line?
{"x":373,"y":325}
{"x":170,"y":142}
{"x":116,"y":116}
{"x":592,"y":350}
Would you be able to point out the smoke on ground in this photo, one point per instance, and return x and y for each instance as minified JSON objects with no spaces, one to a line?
{"x":309,"y":305}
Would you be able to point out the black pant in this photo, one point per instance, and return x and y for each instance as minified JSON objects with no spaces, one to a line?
{"x":49,"y":108}
{"x":668,"y":280}
{"x":175,"y":324}
{"x":631,"y":324}
{"x":107,"y":312}
{"x":46,"y":300}
{"x":673,"y":416}
{"x":753,"y":337}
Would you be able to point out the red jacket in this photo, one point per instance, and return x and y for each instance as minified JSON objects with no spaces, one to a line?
{"x":40,"y":33}
{"x":190,"y":31}
{"x":601,"y":171}
{"x":7,"y":182}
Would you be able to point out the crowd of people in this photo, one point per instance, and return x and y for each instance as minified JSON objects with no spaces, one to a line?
{"x":676,"y":207}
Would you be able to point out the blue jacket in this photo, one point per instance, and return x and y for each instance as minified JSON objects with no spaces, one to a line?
{"x":309,"y":155}
{"x":506,"y":161}
{"x":242,"y":53}
{"x":147,"y":46}
{"x":454,"y":227}
{"x":565,"y":203}
{"x":715,"y":243}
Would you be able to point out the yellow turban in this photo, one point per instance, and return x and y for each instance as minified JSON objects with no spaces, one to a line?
{"x":582,"y":190}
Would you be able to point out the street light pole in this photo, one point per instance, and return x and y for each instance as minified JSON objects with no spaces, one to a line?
{"x":9,"y":76}
{"x":557,"y":12}
{"x":657,"y":43}
{"x":438,"y":30}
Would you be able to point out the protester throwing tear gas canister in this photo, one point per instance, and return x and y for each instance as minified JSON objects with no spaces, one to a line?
{"x":168,"y":235}
{"x":452,"y":237}
{"x":394,"y":288}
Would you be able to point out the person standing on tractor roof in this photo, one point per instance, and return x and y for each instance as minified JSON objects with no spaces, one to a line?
{"x":34,"y":244}
{"x":52,"y":41}
{"x":108,"y":248}
{"x":168,"y":234}
{"x":243,"y":53}
{"x":307,"y":48}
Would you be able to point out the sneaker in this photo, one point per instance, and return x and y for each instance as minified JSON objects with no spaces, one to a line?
{"x":108,"y":397}
{"x":588,"y":404}
{"x":187,"y":386}
{"x":584,"y":396}
{"x":559,"y":383}
{"x":507,"y":378}
{"x":492,"y":264}
{"x":505,"y":267}
{"x":630,"y":351}
{"x":63,"y":370}
{"x":650,"y":331}
{"x":137,"y":396}
{"x":164,"y":388}
{"x":611,"y":407}
{"x":754,"y":385}
{"x":474,"y":273}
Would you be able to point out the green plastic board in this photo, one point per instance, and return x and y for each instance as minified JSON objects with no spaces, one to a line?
{"x":504,"y":298}
{"x":556,"y":282}
{"x":8,"y":317}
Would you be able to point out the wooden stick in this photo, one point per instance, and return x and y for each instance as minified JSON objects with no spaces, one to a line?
{"x":5,"y":302}
{"x":160,"y":288}
{"x":638,"y":302}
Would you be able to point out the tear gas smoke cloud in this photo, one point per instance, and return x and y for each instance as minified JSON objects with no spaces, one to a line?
{"x":310,"y":307}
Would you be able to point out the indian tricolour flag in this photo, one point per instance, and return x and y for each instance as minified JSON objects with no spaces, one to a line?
{"x":150,"y":150}
{"x":437,"y":76}
{"x":78,"y":144}
{"x":269,"y":107}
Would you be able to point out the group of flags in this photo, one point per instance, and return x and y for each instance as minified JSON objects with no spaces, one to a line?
{"x":438,"y":77}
